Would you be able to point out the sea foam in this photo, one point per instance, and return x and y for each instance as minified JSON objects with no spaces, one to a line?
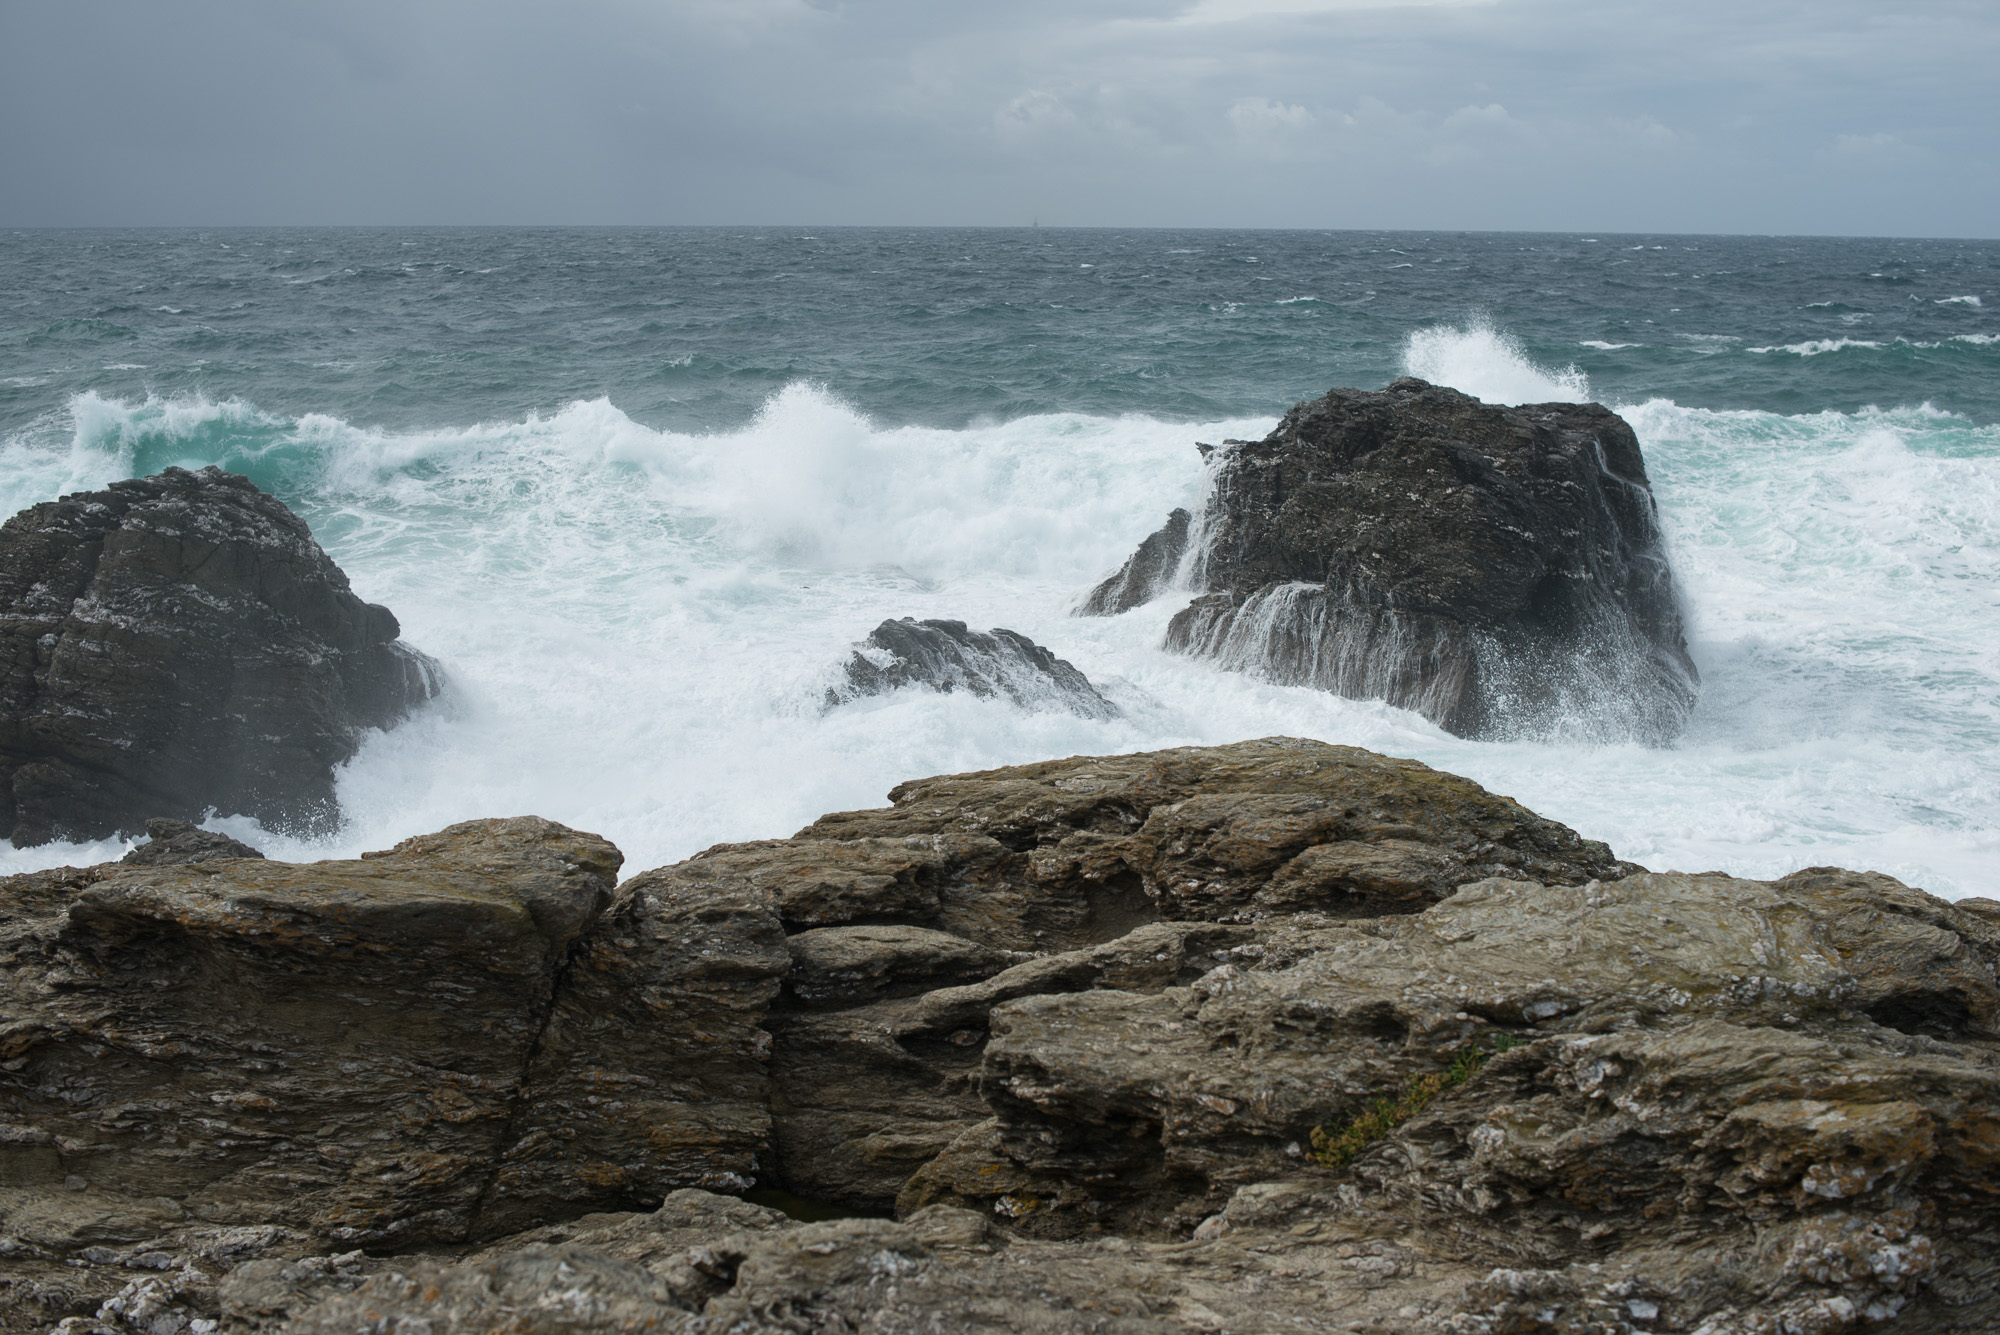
{"x":639,"y":623}
{"x":1490,"y":365}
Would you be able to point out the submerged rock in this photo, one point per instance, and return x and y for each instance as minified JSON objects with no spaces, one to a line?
{"x":173,"y":843}
{"x":176,"y":644}
{"x":946,"y":656}
{"x":1498,"y":570}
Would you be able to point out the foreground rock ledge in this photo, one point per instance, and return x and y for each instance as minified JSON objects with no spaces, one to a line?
{"x":1076,"y":1022}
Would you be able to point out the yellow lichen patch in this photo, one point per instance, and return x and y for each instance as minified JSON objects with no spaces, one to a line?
{"x":1336,"y":1146}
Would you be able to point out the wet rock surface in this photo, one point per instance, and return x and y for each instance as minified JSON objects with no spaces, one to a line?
{"x":1276,"y":1036}
{"x":178,"y":643}
{"x":946,"y":656}
{"x":1149,"y":572}
{"x":1498,"y":570}
{"x":173,"y":843}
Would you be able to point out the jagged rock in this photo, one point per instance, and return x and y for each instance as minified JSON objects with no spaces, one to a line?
{"x":1146,"y":574}
{"x":1796,"y":1075}
{"x":1498,"y":570}
{"x":650,"y":1072}
{"x":173,"y":843}
{"x":869,"y":1085}
{"x":432,"y":1044}
{"x":1079,"y":1021}
{"x":178,"y":643}
{"x":946,"y":656}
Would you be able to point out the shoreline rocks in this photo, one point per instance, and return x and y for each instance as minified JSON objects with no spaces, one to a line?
{"x":1271,"y":1036}
{"x":1499,"y":570}
{"x":179,"y":643}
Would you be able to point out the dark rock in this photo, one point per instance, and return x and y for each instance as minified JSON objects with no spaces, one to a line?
{"x":946,"y":656}
{"x":179,"y":643}
{"x":1148,"y":573}
{"x":1499,"y":570}
{"x":173,"y":843}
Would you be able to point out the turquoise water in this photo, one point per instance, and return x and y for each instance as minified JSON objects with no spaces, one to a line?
{"x":639,"y":489}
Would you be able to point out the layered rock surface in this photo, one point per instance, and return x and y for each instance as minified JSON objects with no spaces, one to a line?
{"x":947,"y":656}
{"x":178,"y":643}
{"x":1499,"y":570}
{"x":1076,"y":1023}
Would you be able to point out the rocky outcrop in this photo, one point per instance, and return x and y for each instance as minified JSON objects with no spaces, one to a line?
{"x":179,"y":643}
{"x":1276,"y":1036}
{"x":422,"y":1046}
{"x":945,"y":656}
{"x":1664,"y":1103}
{"x":1498,"y":570}
{"x":1156,"y":568}
{"x":174,"y":843}
{"x":908,"y":924}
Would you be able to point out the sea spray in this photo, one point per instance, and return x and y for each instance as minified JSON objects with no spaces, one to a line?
{"x":640,"y":545}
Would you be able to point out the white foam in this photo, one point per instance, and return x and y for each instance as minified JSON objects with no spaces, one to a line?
{"x":1959,"y":301}
{"x":636,"y":620}
{"x":1602,"y":346}
{"x":1490,"y":365}
{"x":1820,"y":346}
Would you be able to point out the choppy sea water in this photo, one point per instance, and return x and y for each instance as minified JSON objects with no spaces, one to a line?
{"x":640,"y":491}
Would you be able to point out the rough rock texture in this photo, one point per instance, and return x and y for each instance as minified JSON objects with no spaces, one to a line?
{"x":173,"y":843}
{"x":1499,"y":570}
{"x":1690,"y":1048}
{"x":332,"y":1047}
{"x":946,"y":656}
{"x":1149,"y":572}
{"x":1079,"y":1022}
{"x":460,"y":1037}
{"x":178,"y":643}
{"x":650,"y":1073}
{"x":897,"y":914}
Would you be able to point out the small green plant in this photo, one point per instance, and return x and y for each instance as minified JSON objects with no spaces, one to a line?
{"x":1336,"y":1146}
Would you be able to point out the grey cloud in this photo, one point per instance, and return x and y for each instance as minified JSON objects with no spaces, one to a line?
{"x":1706,"y":115}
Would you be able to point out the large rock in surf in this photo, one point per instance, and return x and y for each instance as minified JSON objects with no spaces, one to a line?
{"x":178,"y":643}
{"x":1499,"y":570}
{"x":1276,"y":1036}
{"x":947,"y":656}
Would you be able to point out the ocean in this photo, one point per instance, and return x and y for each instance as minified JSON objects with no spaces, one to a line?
{"x":640,"y":491}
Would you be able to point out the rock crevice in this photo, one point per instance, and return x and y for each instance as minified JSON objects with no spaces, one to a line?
{"x":1272,"y":1036}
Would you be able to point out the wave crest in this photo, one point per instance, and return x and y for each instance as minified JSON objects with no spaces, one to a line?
{"x":1492,"y":366}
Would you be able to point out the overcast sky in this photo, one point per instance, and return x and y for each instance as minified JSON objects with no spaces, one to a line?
{"x":1828,"y":116}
